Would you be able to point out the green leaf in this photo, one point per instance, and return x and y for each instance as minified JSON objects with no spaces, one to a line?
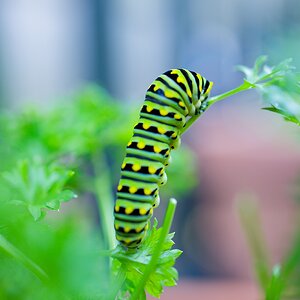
{"x":65,"y":196}
{"x":262,"y":74}
{"x":35,"y":211}
{"x":288,"y":117}
{"x":38,"y":186}
{"x":135,"y":263}
{"x":278,"y":85}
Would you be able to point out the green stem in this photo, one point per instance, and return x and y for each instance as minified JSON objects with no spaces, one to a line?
{"x":243,"y":87}
{"x":117,"y":284}
{"x":104,"y":199}
{"x":22,"y":258}
{"x":189,"y":123}
{"x":251,"y":223}
{"x":212,"y":100}
{"x":157,"y":251}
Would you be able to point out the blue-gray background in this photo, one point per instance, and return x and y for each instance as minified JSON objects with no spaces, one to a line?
{"x":49,"y":48}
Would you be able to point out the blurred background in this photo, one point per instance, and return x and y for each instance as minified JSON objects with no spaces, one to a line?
{"x":49,"y":49}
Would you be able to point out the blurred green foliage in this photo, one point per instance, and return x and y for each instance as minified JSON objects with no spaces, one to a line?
{"x":182,"y":166}
{"x":279,"y":87}
{"x":38,"y":186}
{"x":47,"y":157}
{"x":282,"y":280}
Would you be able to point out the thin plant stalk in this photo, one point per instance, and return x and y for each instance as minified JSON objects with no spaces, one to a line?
{"x":104,"y":199}
{"x":243,"y":87}
{"x":250,"y":220}
{"x":157,"y":251}
{"x":23,"y":259}
{"x":117,"y":284}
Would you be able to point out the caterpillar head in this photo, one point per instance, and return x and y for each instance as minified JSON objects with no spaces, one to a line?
{"x":201,"y":105}
{"x":207,"y":86}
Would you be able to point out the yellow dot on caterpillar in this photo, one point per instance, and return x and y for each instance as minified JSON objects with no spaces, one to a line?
{"x":123,"y":165}
{"x":151,"y":211}
{"x":120,"y":187}
{"x":126,"y":241}
{"x":129,"y":144}
{"x":128,"y":210}
{"x":147,"y":226}
{"x":132,"y":190}
{"x":149,"y":108}
{"x":117,"y":226}
{"x":169,"y":94}
{"x":146,"y":126}
{"x":136,"y":167}
{"x":143,"y":211}
{"x":189,"y":93}
{"x":181,"y":104}
{"x":156,"y":149}
{"x":161,"y":130}
{"x":179,"y":79}
{"x":163,"y":112}
{"x":147,"y":191}
{"x":138,"y":229}
{"x":152,"y":170}
{"x":174,"y":135}
{"x":177,"y":116}
{"x":117,"y":208}
{"x":127,"y":229}
{"x":156,"y":87}
{"x":141,"y":145}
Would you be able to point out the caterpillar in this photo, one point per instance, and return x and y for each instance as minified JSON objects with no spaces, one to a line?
{"x":170,"y":101}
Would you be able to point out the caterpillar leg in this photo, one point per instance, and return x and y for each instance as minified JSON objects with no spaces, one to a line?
{"x":156,"y":202}
{"x":163,"y":178}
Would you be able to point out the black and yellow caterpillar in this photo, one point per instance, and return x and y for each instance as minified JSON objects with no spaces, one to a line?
{"x":170,"y":100}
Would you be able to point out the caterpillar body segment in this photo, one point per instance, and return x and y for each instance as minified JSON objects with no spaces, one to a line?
{"x":162,"y":113}
{"x":145,"y":170}
{"x":158,"y":131}
{"x":170,"y":101}
{"x":148,"y":149}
